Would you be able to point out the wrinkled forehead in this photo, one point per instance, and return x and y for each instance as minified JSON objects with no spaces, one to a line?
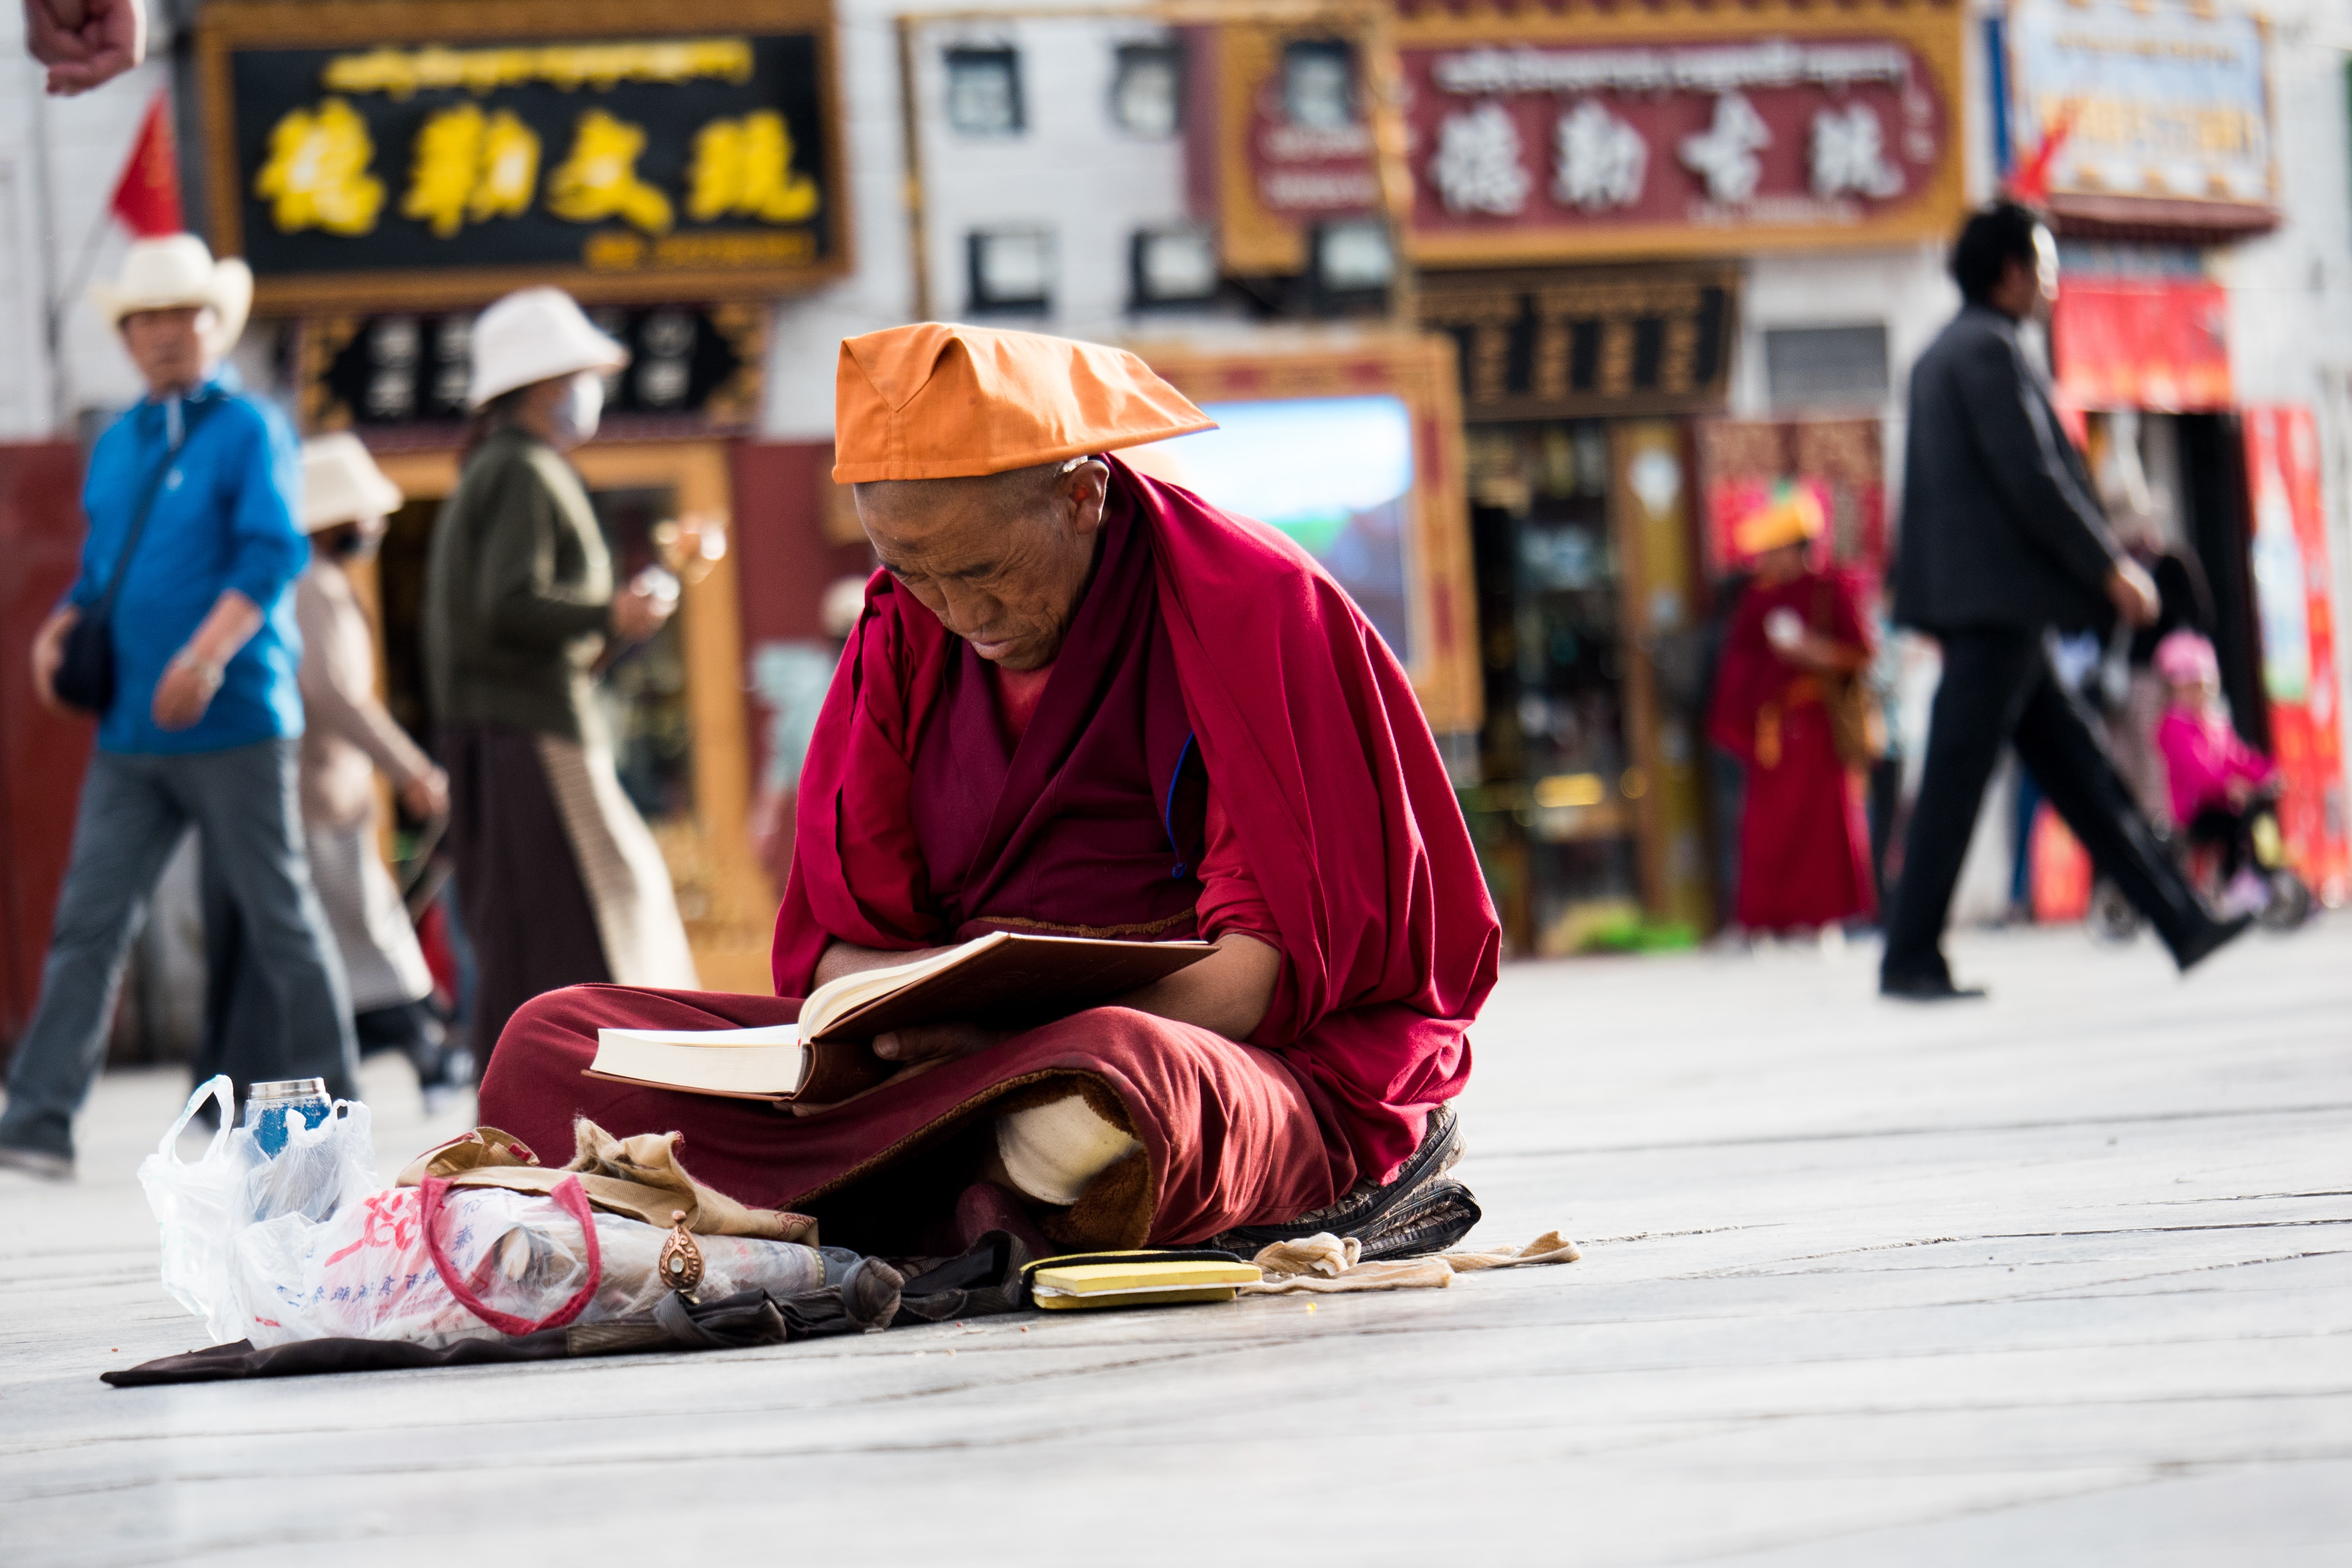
{"x":947,"y":523}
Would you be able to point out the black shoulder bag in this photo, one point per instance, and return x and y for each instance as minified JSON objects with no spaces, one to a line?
{"x":84,"y":676}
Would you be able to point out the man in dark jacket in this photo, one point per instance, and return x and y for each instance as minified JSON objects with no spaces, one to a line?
{"x":2003,"y":540}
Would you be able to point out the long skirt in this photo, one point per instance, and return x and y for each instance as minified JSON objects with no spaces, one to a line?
{"x":1228,"y":1135}
{"x":381,"y":955}
{"x":558,"y":881}
{"x":1805,"y":842}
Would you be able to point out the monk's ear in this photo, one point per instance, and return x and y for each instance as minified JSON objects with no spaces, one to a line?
{"x":1084,"y":491}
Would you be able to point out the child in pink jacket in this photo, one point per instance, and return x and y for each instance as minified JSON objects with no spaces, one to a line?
{"x":2217,"y":780}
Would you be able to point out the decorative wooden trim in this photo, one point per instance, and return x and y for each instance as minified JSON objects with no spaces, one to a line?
{"x":1656,"y":550}
{"x":296,"y":24}
{"x":1419,"y":369}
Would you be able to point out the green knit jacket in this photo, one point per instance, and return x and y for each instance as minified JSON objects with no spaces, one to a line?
{"x":518,"y":590}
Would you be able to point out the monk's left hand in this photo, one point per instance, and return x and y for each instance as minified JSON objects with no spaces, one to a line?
{"x":936,"y":1042}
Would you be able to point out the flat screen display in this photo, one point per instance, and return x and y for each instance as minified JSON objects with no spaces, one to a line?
{"x":1334,"y":473}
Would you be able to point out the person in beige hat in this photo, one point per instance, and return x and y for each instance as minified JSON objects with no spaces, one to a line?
{"x":348,"y":737}
{"x":178,"y":636}
{"x":558,"y":881}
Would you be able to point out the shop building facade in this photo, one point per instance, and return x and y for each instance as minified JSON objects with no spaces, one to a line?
{"x":1541,"y":298}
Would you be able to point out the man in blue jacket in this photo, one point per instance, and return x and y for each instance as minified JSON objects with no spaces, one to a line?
{"x":203,"y":725}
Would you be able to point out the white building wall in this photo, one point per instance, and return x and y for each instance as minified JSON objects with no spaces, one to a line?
{"x":60,"y":160}
{"x":1071,"y":171}
{"x":807,"y":332}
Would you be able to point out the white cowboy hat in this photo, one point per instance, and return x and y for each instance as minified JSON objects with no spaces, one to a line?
{"x":532,"y":335}
{"x":173,"y":273}
{"x":341,"y":483}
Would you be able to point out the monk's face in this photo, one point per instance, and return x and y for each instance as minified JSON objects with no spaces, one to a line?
{"x":1000,"y":560}
{"x":1785,"y":564}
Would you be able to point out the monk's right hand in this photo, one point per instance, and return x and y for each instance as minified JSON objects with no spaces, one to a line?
{"x":935,"y":1042}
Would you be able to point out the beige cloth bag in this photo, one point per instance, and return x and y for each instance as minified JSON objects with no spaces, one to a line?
{"x":639,"y":1178}
{"x":1328,"y":1265}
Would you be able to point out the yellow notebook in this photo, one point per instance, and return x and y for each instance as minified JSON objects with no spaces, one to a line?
{"x":1152,"y":1278}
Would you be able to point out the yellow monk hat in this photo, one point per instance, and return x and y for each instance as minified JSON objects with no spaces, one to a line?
{"x":937,"y":401}
{"x":1793,"y":517}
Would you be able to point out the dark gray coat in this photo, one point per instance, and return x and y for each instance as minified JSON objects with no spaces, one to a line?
{"x":2002,"y":524}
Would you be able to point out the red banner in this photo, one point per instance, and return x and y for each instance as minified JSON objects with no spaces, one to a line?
{"x":2298,"y":627}
{"x":2142,"y":343}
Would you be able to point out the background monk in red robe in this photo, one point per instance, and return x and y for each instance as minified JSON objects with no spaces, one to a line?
{"x":1796,"y":638}
{"x":1080,"y":700}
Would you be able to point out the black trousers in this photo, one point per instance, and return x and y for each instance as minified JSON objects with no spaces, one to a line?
{"x":1997,"y":686}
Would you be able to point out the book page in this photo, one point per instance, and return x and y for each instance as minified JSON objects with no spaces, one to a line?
{"x":768,"y":1069}
{"x":770,"y":1035}
{"x":836,"y":998}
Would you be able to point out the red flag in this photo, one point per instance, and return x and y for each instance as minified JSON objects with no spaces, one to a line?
{"x":147,"y":197}
{"x":2029,"y":183}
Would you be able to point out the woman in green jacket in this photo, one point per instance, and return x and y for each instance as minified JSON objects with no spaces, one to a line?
{"x":558,"y":881}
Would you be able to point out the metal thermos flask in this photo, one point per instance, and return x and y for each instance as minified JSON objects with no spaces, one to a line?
{"x":267,"y":1107}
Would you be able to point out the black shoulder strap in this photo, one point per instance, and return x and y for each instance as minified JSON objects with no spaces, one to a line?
{"x":194,"y":417}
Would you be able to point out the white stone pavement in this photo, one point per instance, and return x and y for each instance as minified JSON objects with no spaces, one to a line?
{"x":2062,"y":1279}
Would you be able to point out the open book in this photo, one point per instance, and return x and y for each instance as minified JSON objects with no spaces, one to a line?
{"x":1004,"y":980}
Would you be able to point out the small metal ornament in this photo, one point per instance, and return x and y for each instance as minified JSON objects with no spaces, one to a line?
{"x":680,"y":1263}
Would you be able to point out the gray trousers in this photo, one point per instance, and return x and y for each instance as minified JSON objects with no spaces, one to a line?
{"x":134,"y":810}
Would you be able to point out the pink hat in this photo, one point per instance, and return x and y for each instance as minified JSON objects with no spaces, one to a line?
{"x":2186,"y":659}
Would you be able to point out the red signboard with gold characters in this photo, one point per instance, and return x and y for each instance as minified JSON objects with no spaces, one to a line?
{"x":1585,"y":129}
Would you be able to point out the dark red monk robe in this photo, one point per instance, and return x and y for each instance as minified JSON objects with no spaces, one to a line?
{"x":1208,"y":652}
{"x":1804,"y":842}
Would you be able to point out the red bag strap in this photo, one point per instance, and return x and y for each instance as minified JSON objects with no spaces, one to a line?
{"x":571,"y":1197}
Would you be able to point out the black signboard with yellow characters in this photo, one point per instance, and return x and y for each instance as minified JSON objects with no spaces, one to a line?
{"x":377,"y":153}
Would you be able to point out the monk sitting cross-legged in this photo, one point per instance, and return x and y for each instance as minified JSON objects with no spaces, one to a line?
{"x":1082,"y":701}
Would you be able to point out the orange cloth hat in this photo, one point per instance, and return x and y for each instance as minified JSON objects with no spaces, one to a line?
{"x":933,"y":401}
{"x":1794,"y":517}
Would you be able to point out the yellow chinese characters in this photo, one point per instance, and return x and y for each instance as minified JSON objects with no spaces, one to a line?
{"x":599,"y":179}
{"x":316,"y":176}
{"x":471,"y":167}
{"x":743,"y":168}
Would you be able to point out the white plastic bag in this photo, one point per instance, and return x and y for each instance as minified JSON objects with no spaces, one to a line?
{"x":201,"y":1207}
{"x":205,"y":1205}
{"x":521,"y":1260}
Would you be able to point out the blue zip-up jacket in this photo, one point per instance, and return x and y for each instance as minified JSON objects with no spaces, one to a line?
{"x":223,"y":518}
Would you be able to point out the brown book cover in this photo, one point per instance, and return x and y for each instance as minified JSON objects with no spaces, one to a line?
{"x":1006,"y":980}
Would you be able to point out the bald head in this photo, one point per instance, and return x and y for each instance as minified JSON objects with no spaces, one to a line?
{"x":1001,"y":559}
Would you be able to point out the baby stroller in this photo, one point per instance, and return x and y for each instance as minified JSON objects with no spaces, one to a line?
{"x":2286,"y":904}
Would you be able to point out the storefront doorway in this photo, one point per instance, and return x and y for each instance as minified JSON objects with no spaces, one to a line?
{"x":1590,"y":817}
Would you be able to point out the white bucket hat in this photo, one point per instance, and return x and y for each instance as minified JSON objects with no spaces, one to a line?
{"x":173,"y":273}
{"x":341,"y":483}
{"x":531,"y":335}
